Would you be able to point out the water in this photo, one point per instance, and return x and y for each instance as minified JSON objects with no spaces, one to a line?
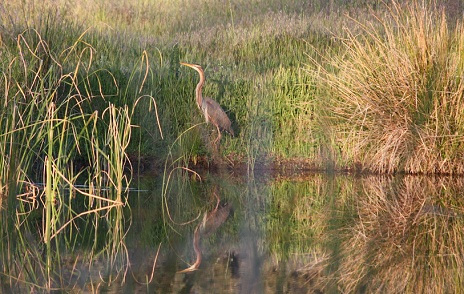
{"x":301,"y":234}
{"x":311,"y":233}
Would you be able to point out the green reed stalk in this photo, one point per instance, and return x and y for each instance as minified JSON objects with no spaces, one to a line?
{"x":118,"y":137}
{"x":49,"y":193}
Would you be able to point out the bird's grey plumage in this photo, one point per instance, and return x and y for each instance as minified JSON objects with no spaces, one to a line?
{"x":217,"y":116}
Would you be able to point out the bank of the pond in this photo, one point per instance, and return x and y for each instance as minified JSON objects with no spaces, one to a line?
{"x":307,"y":85}
{"x":270,"y":166}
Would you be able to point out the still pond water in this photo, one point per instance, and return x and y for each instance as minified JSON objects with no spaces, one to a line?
{"x":313,"y":233}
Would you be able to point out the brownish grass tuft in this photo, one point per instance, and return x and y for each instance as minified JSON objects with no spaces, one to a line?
{"x":395,"y":95}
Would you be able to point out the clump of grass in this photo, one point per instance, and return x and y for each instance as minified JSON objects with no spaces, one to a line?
{"x":394,"y":97}
{"x":293,"y":112}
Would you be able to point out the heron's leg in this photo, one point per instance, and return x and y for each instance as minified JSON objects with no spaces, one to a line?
{"x":218,"y":139}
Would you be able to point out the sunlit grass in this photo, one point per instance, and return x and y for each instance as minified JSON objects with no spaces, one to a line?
{"x":253,"y":54}
{"x":49,"y":126}
{"x":394,"y":98}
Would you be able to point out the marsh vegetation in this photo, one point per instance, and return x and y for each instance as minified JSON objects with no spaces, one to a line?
{"x":92,"y":95}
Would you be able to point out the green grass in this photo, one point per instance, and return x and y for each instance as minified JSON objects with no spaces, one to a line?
{"x":241,"y":48}
{"x":49,"y":126}
{"x":258,"y":58}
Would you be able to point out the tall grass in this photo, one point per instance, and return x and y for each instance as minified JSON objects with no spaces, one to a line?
{"x":51,"y":124}
{"x":240,"y":47}
{"x":394,"y":98}
{"x":253,"y":54}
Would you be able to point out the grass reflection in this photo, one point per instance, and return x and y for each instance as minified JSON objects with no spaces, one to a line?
{"x":407,"y":237}
{"x":321,"y":232}
{"x":365,"y":234}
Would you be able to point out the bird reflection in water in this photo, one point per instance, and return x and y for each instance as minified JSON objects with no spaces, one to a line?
{"x":210,"y":223}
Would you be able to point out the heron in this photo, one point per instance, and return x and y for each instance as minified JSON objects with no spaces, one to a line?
{"x":212,"y":111}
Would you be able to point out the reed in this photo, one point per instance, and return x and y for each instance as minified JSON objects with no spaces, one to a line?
{"x":49,"y":125}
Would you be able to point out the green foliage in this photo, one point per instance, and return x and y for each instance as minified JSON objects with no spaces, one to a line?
{"x":56,"y":116}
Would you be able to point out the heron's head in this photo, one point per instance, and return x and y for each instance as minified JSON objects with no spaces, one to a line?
{"x":194,"y":66}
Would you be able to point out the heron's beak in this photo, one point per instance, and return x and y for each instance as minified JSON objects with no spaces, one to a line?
{"x":187,"y":64}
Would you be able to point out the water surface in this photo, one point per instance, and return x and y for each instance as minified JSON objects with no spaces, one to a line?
{"x":230,"y":232}
{"x":308,"y":233}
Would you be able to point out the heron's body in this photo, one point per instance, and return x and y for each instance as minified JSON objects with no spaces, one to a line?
{"x":212,"y":111}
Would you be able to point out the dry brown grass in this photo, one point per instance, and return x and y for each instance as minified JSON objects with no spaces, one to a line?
{"x":396,"y":93}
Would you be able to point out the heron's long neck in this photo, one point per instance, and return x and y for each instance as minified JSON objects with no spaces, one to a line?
{"x":198,"y":94}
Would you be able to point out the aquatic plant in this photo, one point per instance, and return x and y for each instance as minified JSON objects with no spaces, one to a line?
{"x":50,"y":126}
